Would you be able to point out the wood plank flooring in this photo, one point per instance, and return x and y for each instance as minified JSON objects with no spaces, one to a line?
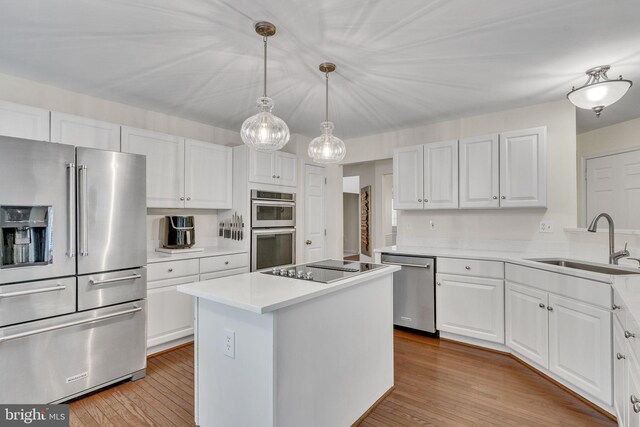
{"x":437,"y":383}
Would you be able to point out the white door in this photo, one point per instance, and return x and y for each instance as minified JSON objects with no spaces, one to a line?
{"x":408,"y":177}
{"x":262,"y":167}
{"x":208,"y":175}
{"x":470,"y":306}
{"x":165,"y":165}
{"x":314,"y":213}
{"x":613,"y":186}
{"x":441,"y":175}
{"x":523,"y":168}
{"x":527,"y":323}
{"x":285,"y":168}
{"x":479,"y":165}
{"x":84,"y":132}
{"x":169,"y":312}
{"x":23,"y":121}
{"x":580,"y":346}
{"x":620,"y":373}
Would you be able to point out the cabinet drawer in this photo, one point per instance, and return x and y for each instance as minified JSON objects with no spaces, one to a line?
{"x":225,"y":262}
{"x":97,"y":290}
{"x":470,"y":267}
{"x":225,"y":273}
{"x":172,"y":269}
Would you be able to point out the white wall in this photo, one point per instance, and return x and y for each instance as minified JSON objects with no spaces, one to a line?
{"x":351,"y":184}
{"x":27,"y":92}
{"x":513,"y":224}
{"x":351,"y":222}
{"x":620,"y":136}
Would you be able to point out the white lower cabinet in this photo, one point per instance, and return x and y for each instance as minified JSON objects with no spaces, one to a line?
{"x":170,"y":313}
{"x":580,"y":345}
{"x":632,"y":418}
{"x":527,"y":323}
{"x":470,"y":306}
{"x":620,"y":373}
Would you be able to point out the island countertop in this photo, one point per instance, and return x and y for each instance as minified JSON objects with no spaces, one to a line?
{"x":263,"y":293}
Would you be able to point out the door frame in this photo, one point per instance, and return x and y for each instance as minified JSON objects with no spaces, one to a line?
{"x":303,"y":235}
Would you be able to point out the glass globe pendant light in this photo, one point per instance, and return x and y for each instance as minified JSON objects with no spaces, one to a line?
{"x":598,"y":92}
{"x":327,"y":148}
{"x":265,"y":131}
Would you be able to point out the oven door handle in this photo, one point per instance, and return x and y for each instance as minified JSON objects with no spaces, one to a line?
{"x":267,"y":231}
{"x":273,"y":203}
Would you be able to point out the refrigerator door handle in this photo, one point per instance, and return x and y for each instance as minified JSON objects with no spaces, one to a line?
{"x":83,"y":228}
{"x":71,"y":169}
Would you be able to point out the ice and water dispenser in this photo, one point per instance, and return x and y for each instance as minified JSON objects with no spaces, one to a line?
{"x":25,"y":232}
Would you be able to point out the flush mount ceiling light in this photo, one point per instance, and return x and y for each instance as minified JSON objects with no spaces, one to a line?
{"x":265,"y":131}
{"x":598,"y":92}
{"x":327,"y":148}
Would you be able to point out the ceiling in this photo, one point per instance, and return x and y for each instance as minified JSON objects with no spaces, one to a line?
{"x":399,"y":63}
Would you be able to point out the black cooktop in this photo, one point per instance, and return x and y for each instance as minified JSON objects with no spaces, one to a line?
{"x":325,"y":271}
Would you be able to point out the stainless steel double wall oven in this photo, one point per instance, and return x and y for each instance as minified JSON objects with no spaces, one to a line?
{"x":273,"y":232}
{"x":72,"y":270}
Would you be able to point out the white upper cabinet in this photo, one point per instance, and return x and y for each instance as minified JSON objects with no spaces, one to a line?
{"x":84,"y":132}
{"x":580,"y":345}
{"x":277,"y":167}
{"x":165,"y":165}
{"x":441,"y":175}
{"x":527,"y":322}
{"x":408,"y":177}
{"x":523,"y":168}
{"x":22,"y":121}
{"x":207,"y":175}
{"x":479,"y":172}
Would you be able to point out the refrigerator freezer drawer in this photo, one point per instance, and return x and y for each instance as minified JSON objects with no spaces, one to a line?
{"x":102,"y":289}
{"x":29,"y":301}
{"x":54,"y":359}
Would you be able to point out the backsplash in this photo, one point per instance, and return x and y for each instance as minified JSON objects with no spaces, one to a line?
{"x":206,"y":221}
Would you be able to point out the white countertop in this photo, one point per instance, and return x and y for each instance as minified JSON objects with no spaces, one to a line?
{"x":263,"y":293}
{"x":154,"y":256}
{"x":513,"y":257}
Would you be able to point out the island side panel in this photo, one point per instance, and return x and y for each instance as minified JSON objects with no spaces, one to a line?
{"x":234,"y":391}
{"x":334,"y":355}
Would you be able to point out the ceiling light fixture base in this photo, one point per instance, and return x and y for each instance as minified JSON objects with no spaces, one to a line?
{"x":327,"y":67}
{"x":265,"y":29}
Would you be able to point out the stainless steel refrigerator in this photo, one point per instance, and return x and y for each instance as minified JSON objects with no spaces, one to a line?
{"x":72,"y":270}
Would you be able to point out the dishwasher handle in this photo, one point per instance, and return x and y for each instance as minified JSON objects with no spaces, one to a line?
{"x":407,"y":265}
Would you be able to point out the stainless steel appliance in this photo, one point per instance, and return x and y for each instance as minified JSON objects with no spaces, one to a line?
{"x":273,"y":233}
{"x":413,"y":291}
{"x":272,"y":209}
{"x":325,"y":271}
{"x":72,"y":270}
{"x":179,"y":232}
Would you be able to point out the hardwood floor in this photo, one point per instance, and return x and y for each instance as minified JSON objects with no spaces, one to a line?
{"x":437,"y":383}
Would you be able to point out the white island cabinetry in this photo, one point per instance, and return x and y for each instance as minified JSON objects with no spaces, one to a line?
{"x":303,"y":353}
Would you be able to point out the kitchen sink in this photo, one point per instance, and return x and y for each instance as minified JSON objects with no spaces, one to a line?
{"x":585,"y":266}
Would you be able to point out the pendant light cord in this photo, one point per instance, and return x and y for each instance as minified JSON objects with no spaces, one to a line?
{"x":326,"y":111}
{"x":265,"y":66}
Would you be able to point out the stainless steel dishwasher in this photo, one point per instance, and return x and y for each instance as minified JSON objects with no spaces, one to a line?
{"x":413,"y":291}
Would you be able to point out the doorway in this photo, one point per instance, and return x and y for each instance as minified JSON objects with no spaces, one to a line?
{"x":351,"y":218}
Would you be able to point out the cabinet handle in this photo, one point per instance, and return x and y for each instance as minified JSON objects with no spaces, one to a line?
{"x":619,"y":356}
{"x":426,"y":200}
{"x":273,"y":176}
{"x":278,"y":176}
{"x":503,"y":197}
{"x":549,"y":308}
{"x":467,"y":267}
{"x":170,"y":270}
{"x":541,"y":305}
{"x":438,"y":283}
{"x":226,"y":263}
{"x":495,"y":197}
{"x":628,"y":334}
{"x":636,"y":408}
{"x":419,"y":200}
{"x":188,"y":198}
{"x":634,"y":399}
{"x":181,"y":198}
{"x":615,"y":307}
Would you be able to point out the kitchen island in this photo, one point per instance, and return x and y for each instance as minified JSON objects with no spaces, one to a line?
{"x":279,"y":351}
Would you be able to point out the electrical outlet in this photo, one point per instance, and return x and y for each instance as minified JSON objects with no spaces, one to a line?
{"x":230,"y":343}
{"x":546,"y":227}
{"x":432,"y":225}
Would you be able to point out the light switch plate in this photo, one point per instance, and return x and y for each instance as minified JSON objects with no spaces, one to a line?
{"x":546,"y":227}
{"x":229,"y":343}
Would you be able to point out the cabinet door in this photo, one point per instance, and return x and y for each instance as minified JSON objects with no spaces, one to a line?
{"x":523,"y":168}
{"x":165,"y":165}
{"x":208,"y":175}
{"x":441,"y":175}
{"x":169,"y":312}
{"x":262,"y":167}
{"x":23,"y":121}
{"x":285,"y":169}
{"x":479,"y":165}
{"x":632,"y":418}
{"x":620,"y":373}
{"x":580,"y":345}
{"x":527,"y":323}
{"x":470,"y":306}
{"x":84,"y":132}
{"x":408,"y":172}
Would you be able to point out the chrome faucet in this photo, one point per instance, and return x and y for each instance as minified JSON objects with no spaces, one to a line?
{"x":613,"y":256}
